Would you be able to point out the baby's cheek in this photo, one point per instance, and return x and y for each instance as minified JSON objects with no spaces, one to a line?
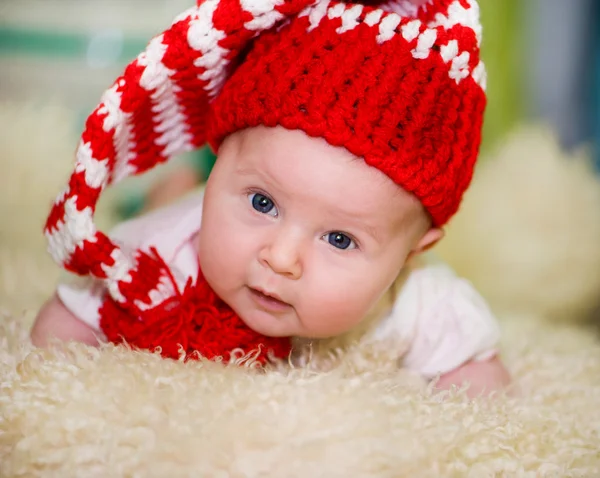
{"x":335,"y":309}
{"x":215,"y":256}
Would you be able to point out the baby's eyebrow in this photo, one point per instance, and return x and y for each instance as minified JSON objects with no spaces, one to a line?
{"x":246,"y":171}
{"x":374,"y":232}
{"x":263,"y":174}
{"x":356,"y":223}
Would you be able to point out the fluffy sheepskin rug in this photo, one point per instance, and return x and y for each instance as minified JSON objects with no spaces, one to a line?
{"x":528,"y":237}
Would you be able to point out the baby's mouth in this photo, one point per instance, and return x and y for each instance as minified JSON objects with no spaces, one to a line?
{"x":268,"y":300}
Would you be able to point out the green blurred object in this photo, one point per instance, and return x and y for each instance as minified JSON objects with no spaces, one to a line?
{"x":501,"y":54}
{"x":20,"y":41}
{"x":204,"y":161}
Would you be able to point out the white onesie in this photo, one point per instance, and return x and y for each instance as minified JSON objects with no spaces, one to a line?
{"x":441,"y":317}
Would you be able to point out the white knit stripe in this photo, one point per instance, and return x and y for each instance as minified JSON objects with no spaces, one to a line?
{"x":411,"y":30}
{"x":387,"y":27}
{"x":374,"y":17}
{"x":204,"y":38}
{"x":459,"y":63}
{"x":122,"y":138}
{"x":349,"y":19}
{"x":316,"y":14}
{"x":111,"y":107}
{"x":119,"y":271}
{"x":155,"y":73}
{"x":125,"y":145}
{"x":66,"y":190}
{"x":424,"y":43}
{"x":202,"y":34}
{"x":459,"y":15}
{"x":119,"y":120}
{"x":174,"y":137}
{"x":449,"y":51}
{"x":259,"y":7}
{"x":170,"y":121}
{"x":95,"y":171}
{"x":215,"y":63}
{"x":480,"y":75}
{"x":162,"y":291}
{"x":217,"y":77}
{"x":336,"y":11}
{"x":264,"y":13}
{"x":460,"y":67}
{"x":77,"y":227}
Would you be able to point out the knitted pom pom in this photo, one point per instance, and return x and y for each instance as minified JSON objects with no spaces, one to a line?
{"x":194,"y":322}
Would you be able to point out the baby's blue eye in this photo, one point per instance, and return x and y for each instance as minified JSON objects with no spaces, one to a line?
{"x":263,"y":204}
{"x":340,"y":240}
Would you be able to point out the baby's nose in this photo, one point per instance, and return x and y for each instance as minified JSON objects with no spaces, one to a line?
{"x":282,"y":255}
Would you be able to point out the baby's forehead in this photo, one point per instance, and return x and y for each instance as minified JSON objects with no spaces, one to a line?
{"x":302,"y":166}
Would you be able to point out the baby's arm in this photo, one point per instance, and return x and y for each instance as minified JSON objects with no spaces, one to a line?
{"x":452,"y":334}
{"x":459,"y":328}
{"x":484,"y":377}
{"x":55,"y":321}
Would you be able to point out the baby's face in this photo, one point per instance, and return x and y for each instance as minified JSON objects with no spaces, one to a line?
{"x":299,"y":237}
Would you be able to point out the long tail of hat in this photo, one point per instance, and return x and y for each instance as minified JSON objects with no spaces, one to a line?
{"x":158,"y":108}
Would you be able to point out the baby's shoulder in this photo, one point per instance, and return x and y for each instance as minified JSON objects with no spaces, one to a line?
{"x":427,"y":274}
{"x":440,"y":318}
{"x":424,"y":281}
{"x":427,"y":293}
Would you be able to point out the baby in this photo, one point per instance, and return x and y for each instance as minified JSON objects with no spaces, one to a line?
{"x":346,"y":135}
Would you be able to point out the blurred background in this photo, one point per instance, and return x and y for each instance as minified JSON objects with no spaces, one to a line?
{"x":542,"y":57}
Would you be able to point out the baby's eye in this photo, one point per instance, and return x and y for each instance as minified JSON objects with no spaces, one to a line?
{"x":340,"y":240}
{"x":263,"y":204}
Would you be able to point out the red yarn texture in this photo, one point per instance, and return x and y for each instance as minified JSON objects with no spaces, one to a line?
{"x":194,"y":320}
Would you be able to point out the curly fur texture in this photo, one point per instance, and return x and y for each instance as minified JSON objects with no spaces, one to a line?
{"x":80,"y":411}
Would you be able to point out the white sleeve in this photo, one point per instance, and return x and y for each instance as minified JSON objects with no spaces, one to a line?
{"x":82,"y":296}
{"x":444,"y":320}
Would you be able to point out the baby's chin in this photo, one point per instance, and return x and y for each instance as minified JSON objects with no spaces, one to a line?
{"x":265,"y":323}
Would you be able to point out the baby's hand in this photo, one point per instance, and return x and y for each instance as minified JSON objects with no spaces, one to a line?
{"x":484,"y":377}
{"x":55,"y":321}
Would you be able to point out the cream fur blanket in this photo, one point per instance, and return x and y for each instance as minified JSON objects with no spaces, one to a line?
{"x":528,"y":237}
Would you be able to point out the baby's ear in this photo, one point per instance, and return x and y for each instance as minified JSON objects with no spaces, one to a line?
{"x":429,"y":239}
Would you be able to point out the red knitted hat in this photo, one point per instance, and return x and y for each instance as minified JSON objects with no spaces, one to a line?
{"x":400,"y":85}
{"x":403,"y":93}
